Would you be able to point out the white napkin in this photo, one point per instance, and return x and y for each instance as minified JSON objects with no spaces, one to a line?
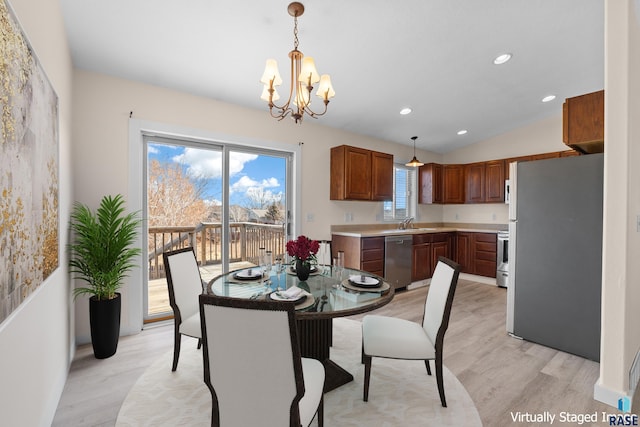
{"x":291,"y":293}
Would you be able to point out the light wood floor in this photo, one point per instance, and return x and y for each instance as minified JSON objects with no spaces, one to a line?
{"x":501,"y":374}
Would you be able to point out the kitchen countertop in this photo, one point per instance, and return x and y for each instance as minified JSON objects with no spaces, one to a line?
{"x":373,"y":231}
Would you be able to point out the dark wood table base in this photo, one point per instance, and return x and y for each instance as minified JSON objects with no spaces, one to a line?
{"x":315,"y":337}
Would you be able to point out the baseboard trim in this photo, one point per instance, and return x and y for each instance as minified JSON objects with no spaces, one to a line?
{"x":607,"y":395}
{"x":479,"y":279}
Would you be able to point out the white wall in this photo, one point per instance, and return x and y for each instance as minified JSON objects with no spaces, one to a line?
{"x":621,"y":251}
{"x":102,"y":106}
{"x":543,"y":136}
{"x":36,"y":341}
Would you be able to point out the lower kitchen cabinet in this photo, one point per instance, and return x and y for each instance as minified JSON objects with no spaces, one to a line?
{"x":426,"y":250}
{"x":372,"y":255}
{"x":477,"y":252}
{"x":366,"y":253}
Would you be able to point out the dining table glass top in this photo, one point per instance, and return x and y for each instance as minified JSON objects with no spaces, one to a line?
{"x":326,"y":292}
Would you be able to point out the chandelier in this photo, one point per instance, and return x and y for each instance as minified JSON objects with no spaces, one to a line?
{"x":303,"y":76}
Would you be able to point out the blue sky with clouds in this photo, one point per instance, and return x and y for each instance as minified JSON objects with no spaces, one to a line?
{"x":250,"y":173}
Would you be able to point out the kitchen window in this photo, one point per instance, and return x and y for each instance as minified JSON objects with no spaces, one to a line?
{"x":403,"y":204}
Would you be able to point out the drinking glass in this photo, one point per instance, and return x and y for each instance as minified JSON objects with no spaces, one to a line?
{"x":324,"y":262}
{"x":279,"y":268}
{"x":268,"y":264}
{"x":338,"y":267}
{"x":261,"y":259}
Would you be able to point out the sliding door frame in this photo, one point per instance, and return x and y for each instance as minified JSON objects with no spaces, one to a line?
{"x":133,"y":289}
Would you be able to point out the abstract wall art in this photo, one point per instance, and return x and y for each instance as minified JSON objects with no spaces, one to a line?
{"x":29,"y":217}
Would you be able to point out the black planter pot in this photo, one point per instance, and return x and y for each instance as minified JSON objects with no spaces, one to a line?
{"x":104,"y":316}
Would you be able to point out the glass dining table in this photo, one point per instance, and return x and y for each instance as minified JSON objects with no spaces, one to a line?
{"x":325,"y":295}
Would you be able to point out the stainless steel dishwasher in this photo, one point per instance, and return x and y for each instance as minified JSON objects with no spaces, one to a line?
{"x":398,"y":260}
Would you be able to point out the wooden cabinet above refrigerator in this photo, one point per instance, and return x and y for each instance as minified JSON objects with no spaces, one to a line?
{"x":583,"y":122}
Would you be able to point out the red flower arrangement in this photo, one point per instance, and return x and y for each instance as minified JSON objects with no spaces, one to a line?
{"x":303,"y":248}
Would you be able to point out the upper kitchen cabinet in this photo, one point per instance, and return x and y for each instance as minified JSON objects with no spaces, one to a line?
{"x":430,"y":184}
{"x":583,"y":122}
{"x":474,"y":179}
{"x":453,"y":188}
{"x":485,"y":182}
{"x":360,"y":174}
{"x":381,"y":176}
{"x":494,"y":177}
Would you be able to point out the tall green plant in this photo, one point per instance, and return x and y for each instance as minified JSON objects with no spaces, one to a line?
{"x":101,"y":252}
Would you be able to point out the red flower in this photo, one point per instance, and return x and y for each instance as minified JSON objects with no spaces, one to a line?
{"x":303,"y":248}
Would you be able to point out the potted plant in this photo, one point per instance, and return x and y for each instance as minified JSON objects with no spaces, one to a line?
{"x":303,"y":252}
{"x":101,"y":255}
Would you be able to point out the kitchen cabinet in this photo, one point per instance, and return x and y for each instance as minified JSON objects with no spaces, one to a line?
{"x":475,"y":183}
{"x":463,"y":251}
{"x":430,"y":184}
{"x":453,"y":186}
{"x":477,"y":253}
{"x":543,"y":156}
{"x":569,"y":153}
{"x":494,"y":181}
{"x":485,"y":182}
{"x":372,"y":255}
{"x":426,"y":250}
{"x":421,"y":261}
{"x":583,"y":122}
{"x":381,"y":176}
{"x":366,"y":253}
{"x":484,"y":252}
{"x":360,"y":174}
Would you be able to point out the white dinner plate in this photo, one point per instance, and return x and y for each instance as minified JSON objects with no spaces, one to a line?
{"x":364,"y":281}
{"x":251,"y":274}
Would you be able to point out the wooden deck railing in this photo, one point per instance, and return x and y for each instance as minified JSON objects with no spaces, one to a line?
{"x":245,"y":240}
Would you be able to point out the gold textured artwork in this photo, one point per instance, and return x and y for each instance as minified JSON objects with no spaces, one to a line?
{"x":29,"y":218}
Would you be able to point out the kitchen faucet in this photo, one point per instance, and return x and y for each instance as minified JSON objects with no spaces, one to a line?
{"x":405,"y":223}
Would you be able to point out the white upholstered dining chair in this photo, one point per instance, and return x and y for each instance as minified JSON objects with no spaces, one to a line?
{"x":253,"y":367}
{"x":185,"y":284}
{"x":395,"y":338}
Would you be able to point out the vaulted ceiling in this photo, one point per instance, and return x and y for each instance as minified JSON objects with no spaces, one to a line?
{"x":434,"y":56}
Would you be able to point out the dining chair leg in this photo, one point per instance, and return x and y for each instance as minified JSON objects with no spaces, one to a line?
{"x":367,"y":376}
{"x":200,"y":344}
{"x":426,"y":362}
{"x":176,"y":349}
{"x":440,"y":380}
{"x":321,"y":412}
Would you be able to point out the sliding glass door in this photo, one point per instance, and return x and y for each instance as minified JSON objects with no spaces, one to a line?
{"x":225,"y":201}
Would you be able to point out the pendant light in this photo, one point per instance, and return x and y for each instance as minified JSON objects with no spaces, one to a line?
{"x":414,"y":162}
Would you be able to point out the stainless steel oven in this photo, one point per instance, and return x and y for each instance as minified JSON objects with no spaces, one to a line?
{"x":502,"y":263}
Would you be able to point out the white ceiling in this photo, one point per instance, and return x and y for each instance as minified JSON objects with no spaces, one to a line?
{"x":432,"y":55}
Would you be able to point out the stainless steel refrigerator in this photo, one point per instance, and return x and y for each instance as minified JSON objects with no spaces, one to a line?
{"x":555,"y":253}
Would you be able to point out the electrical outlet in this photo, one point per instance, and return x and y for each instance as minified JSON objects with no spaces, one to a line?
{"x":457,"y":216}
{"x":310,"y":217}
{"x":493,"y":216}
{"x":638,"y":223}
{"x":348,"y":217}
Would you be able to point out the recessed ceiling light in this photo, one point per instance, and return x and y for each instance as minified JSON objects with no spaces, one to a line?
{"x":502,"y":59}
{"x":548,"y":98}
{"x":405,"y":111}
{"x":462,"y":132}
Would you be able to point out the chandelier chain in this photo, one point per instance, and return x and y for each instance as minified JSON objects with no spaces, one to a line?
{"x":295,"y":32}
